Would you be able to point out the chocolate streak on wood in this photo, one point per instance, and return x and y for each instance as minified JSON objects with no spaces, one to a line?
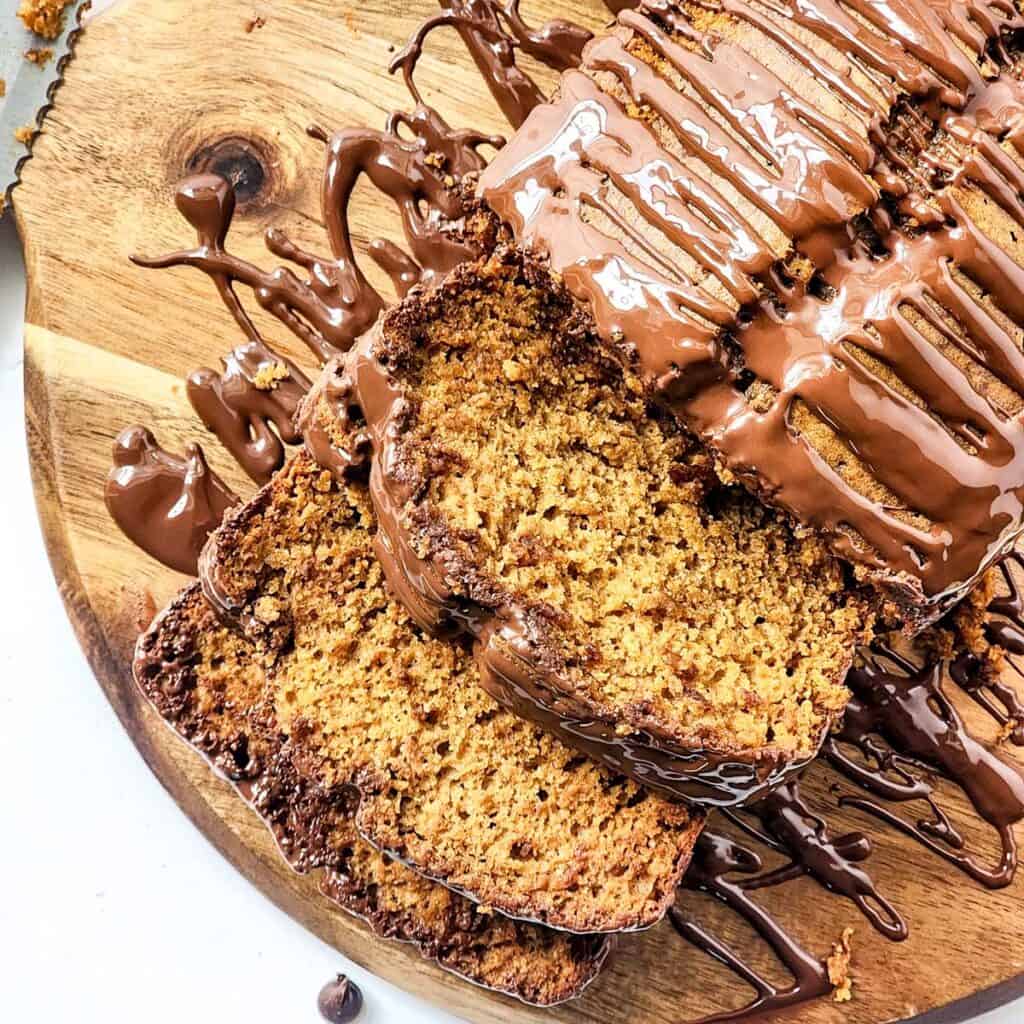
{"x":166,"y":504}
{"x":903,"y":703}
{"x":493,"y":31}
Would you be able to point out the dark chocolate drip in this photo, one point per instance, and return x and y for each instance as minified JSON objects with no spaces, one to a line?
{"x":493,"y":31}
{"x":957,"y":462}
{"x":715,"y":858}
{"x":904,"y":704}
{"x":335,"y":302}
{"x":981,"y":679}
{"x":166,"y":504}
{"x":257,"y":390}
{"x":788,"y":826}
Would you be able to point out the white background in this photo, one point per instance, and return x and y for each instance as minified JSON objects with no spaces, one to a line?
{"x":113,"y":907}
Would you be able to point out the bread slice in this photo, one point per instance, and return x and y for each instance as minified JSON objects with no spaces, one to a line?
{"x":207,"y":681}
{"x":710,"y":160}
{"x":449,"y":782}
{"x":671,"y":627}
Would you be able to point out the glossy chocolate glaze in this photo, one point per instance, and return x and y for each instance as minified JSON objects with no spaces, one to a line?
{"x":1005,"y":630}
{"x":166,"y":504}
{"x":335,"y":302}
{"x":904,"y":704}
{"x":927,"y":542}
{"x":252,"y":413}
{"x":787,"y":825}
{"x":717,"y":857}
{"x":493,"y":30}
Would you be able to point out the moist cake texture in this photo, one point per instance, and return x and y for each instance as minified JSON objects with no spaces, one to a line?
{"x":667,"y":625}
{"x":675,"y":207}
{"x":448,"y":781}
{"x":208,"y":682}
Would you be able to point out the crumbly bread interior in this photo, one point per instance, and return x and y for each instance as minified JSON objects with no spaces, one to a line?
{"x":449,"y":782}
{"x":208,"y":681}
{"x":700,"y":610}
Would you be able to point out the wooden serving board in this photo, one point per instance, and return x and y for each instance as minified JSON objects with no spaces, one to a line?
{"x":158,"y":86}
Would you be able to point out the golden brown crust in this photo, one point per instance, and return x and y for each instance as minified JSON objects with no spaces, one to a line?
{"x":208,"y":683}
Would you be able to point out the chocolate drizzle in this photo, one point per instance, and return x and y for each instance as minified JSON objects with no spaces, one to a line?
{"x":789,"y":827}
{"x":715,"y":857}
{"x":166,"y":504}
{"x":256,"y":389}
{"x":903,"y":703}
{"x":493,"y":31}
{"x":329,"y":308}
{"x":639,"y":185}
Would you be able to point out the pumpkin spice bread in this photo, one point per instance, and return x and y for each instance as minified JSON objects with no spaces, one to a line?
{"x":710,"y":162}
{"x":668,"y":626}
{"x":207,"y":681}
{"x":448,"y":781}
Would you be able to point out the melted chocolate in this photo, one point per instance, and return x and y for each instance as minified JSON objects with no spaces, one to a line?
{"x":492,"y":32}
{"x":789,"y":827}
{"x":257,"y":389}
{"x":335,"y":302}
{"x":904,"y":704}
{"x":1004,"y":629}
{"x":663,"y":261}
{"x":715,"y":858}
{"x":166,"y":504}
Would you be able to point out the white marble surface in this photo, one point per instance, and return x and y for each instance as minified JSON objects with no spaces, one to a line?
{"x":113,"y":907}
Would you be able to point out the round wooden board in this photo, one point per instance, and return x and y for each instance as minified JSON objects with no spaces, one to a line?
{"x":154,"y":84}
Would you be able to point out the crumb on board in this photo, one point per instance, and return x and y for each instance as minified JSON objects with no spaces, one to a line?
{"x":40,"y":55}
{"x":254,"y":22}
{"x":268,"y":376}
{"x":44,"y":17}
{"x":24,"y":133}
{"x":838,"y":965}
{"x":3,"y":88}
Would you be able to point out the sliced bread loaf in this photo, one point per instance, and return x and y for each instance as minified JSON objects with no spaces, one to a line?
{"x":208,"y":683}
{"x":668,"y":625}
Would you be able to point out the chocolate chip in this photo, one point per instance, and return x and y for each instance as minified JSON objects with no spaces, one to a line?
{"x":340,"y":1000}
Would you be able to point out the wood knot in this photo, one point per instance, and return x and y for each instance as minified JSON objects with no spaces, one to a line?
{"x":245,"y":163}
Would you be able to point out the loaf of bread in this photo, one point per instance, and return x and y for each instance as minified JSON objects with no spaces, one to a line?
{"x":448,"y":782}
{"x":848,"y":176}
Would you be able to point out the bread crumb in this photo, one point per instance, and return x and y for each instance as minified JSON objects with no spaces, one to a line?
{"x":269,"y":375}
{"x":838,"y":965}
{"x":513,"y":371}
{"x":256,"y":21}
{"x":267,"y":610}
{"x":24,"y":133}
{"x":3,"y":88}
{"x":40,"y":55}
{"x":44,"y":17}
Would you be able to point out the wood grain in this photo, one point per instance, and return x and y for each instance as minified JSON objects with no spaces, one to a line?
{"x":154,"y":83}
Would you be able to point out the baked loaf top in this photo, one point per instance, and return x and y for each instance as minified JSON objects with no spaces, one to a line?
{"x":669,"y":626}
{"x":448,"y":781}
{"x":207,"y":681}
{"x":706,"y":153}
